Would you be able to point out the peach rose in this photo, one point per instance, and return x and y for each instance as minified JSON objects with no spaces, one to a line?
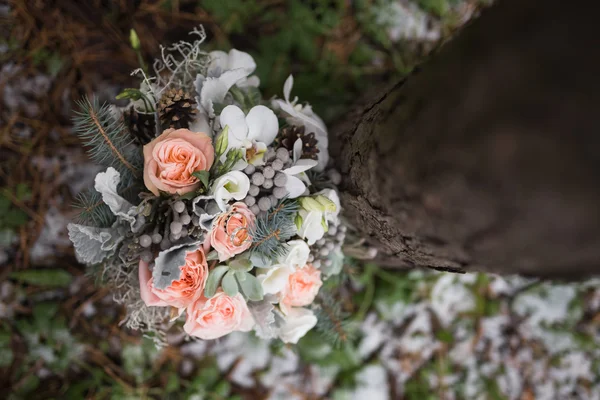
{"x":302,"y":287}
{"x":171,"y":158}
{"x":230,"y":232}
{"x":183,"y":291}
{"x":218,"y":316}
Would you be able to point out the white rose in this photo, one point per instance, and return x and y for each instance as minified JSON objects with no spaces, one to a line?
{"x":232,"y":185}
{"x":297,"y":323}
{"x":298,"y":253}
{"x":312,"y":228}
{"x":275,"y":278}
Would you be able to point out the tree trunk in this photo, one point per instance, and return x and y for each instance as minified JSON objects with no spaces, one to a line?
{"x":488,"y":156}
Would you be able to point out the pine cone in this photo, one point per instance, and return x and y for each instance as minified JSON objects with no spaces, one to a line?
{"x":176,"y":109}
{"x":142,"y":126}
{"x":288,"y":136}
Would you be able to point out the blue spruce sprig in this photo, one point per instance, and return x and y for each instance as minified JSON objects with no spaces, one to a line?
{"x":92,"y":210}
{"x":272,"y":229}
{"x":107,"y":140}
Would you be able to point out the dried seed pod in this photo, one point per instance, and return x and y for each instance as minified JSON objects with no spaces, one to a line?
{"x":280,"y":179}
{"x":279,"y":192}
{"x":264,"y":203}
{"x":185,"y":219}
{"x":156,"y":238}
{"x":179,"y":206}
{"x":277,"y":165}
{"x":268,"y":183}
{"x":268,"y":172}
{"x":258,"y":178}
{"x":250,"y":169}
{"x":254,"y":190}
{"x":334,"y":176}
{"x":255,"y":209}
{"x":283,"y":154}
{"x":175,"y":227}
{"x":145,"y":240}
{"x":250,"y":201}
{"x":165,"y":244}
{"x":146,"y":256}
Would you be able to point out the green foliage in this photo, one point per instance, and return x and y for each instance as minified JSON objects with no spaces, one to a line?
{"x":203,"y":177}
{"x":43,"y":277}
{"x":246,"y":98}
{"x":12,"y":217}
{"x":214,"y":279}
{"x":334,"y":323}
{"x":271,"y":230}
{"x":107,"y":140}
{"x":234,"y":278}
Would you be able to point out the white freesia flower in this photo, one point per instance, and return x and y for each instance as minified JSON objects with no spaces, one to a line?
{"x":312,"y":227}
{"x":275,"y":278}
{"x":297,"y":322}
{"x":315,"y":214}
{"x":232,"y":185}
{"x":255,"y":131}
{"x":297,"y":255}
{"x":331,"y":194}
{"x":234,"y":60}
{"x":297,"y":179}
{"x":223,"y":71}
{"x":300,"y":115}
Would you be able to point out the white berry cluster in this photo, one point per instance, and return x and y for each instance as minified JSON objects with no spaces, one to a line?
{"x":267,"y":182}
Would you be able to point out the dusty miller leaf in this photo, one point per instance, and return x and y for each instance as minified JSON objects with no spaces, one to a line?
{"x":262,"y":312}
{"x":106,"y":184}
{"x":167,"y":267}
{"x":91,"y":244}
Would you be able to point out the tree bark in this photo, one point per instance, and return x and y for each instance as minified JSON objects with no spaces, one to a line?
{"x":488,"y":156}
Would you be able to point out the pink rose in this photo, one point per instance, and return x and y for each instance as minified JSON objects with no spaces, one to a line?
{"x":172,"y":158}
{"x":230,"y":233}
{"x":183,"y":291}
{"x":302,"y":287}
{"x":218,"y":316}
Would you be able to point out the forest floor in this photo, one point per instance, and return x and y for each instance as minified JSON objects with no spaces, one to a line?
{"x":417,"y":334}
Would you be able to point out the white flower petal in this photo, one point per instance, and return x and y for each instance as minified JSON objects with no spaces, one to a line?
{"x":240,"y":60}
{"x":262,"y":125}
{"x":312,"y":228}
{"x":275,"y":280}
{"x":213,"y":91}
{"x":234,"y":117}
{"x":298,"y":322}
{"x":297,"y":150}
{"x":232,"y":185}
{"x":229,"y":78}
{"x":218,"y":59}
{"x":250,"y":81}
{"x":294,"y":186}
{"x":287,"y":88}
{"x":300,"y":166}
{"x":297,"y":256}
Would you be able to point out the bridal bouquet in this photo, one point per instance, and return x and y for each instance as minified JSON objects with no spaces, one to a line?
{"x":216,"y":207}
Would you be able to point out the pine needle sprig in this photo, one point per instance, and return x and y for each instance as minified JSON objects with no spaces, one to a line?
{"x":107,"y":139}
{"x":333,"y":322}
{"x":92,"y":210}
{"x":271,"y":230}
